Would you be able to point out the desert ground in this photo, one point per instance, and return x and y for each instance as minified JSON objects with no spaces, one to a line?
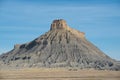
{"x":58,"y":74}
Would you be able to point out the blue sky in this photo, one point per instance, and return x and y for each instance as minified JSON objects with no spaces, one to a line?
{"x":23,"y":20}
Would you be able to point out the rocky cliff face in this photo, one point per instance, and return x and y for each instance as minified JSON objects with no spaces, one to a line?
{"x":59,"y":24}
{"x":61,"y":46}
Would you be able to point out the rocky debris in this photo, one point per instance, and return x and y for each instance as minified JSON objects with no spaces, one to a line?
{"x":61,"y":46}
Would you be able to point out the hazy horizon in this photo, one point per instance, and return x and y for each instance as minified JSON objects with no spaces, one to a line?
{"x":22,"y":21}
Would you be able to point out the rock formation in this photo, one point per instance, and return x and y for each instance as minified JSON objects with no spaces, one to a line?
{"x":61,"y":46}
{"x":59,"y":24}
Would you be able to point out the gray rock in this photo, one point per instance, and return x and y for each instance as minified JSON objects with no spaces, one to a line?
{"x":62,"y":46}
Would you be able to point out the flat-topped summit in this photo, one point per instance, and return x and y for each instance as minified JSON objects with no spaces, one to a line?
{"x":59,"y":24}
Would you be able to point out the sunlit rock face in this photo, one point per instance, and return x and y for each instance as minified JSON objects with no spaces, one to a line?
{"x":59,"y":24}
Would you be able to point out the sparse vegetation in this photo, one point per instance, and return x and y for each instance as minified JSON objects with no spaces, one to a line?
{"x":58,"y":74}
